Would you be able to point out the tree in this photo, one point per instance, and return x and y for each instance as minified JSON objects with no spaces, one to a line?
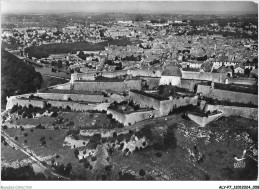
{"x":2,"y":138}
{"x":68,"y":168}
{"x":42,"y":138}
{"x":44,"y":142}
{"x":52,"y":161}
{"x":59,"y":65}
{"x":76,"y":153}
{"x":53,"y":63}
{"x":67,"y":63}
{"x":142,"y":172}
{"x":54,"y":114}
{"x":81,"y":55}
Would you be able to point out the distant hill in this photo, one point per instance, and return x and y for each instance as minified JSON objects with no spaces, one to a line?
{"x":17,"y":77}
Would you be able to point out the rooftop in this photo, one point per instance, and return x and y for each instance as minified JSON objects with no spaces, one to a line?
{"x":172,"y":71}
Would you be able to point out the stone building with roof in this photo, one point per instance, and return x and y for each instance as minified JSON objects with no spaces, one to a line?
{"x":226,"y":70}
{"x":171,"y":76}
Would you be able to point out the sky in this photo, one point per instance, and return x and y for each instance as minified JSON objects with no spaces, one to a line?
{"x":223,"y":7}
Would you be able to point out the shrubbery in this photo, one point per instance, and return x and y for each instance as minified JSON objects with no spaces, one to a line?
{"x":21,"y":173}
{"x":61,"y":169}
{"x":40,"y":127}
{"x":2,"y":139}
{"x":158,"y":154}
{"x":142,"y":172}
{"x":76,"y":153}
{"x":54,"y":114}
{"x":4,"y":127}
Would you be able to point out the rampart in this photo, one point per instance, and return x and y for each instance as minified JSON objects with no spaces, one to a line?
{"x":163,"y":106}
{"x":23,"y":102}
{"x":244,"y":81}
{"x":203,"y":120}
{"x":250,"y":113}
{"x":215,"y":77}
{"x":144,"y":72}
{"x":92,"y":74}
{"x":72,"y":97}
{"x":65,"y":86}
{"x":119,"y":86}
{"x":144,"y":101}
{"x":208,"y":91}
{"x":132,"y":118}
{"x":167,"y":105}
{"x":83,"y":76}
{"x":77,"y":106}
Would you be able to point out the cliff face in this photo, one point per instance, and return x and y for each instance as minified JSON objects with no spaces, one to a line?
{"x":17,"y":77}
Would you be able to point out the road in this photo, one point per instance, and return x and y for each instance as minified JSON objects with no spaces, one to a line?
{"x":31,"y":156}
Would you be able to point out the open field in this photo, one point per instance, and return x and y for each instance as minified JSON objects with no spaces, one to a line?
{"x":9,"y":154}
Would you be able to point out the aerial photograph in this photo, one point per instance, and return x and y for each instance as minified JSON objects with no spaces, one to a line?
{"x":129,"y":91}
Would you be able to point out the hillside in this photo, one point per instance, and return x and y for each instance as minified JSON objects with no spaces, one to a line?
{"x":17,"y":77}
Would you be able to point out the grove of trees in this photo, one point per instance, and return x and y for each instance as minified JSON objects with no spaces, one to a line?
{"x":17,"y":77}
{"x":43,"y":51}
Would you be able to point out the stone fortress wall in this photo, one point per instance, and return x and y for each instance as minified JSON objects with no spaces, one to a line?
{"x":92,"y":74}
{"x":203,"y":120}
{"x":214,"y":77}
{"x":144,"y":72}
{"x":65,"y":86}
{"x":208,"y":91}
{"x":77,"y":106}
{"x":104,"y":86}
{"x":132,"y":118}
{"x":250,"y":113}
{"x":112,"y":74}
{"x":13,"y":100}
{"x":244,"y":81}
{"x":163,"y":106}
{"x":189,"y":84}
{"x":167,"y":105}
{"x":73,"y":97}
